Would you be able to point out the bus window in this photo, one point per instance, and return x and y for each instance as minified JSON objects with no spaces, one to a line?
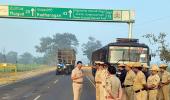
{"x":132,"y":54}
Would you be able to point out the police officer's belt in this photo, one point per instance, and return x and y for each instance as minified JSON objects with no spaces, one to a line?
{"x":153,"y":89}
{"x":98,"y":82}
{"x":128,"y":85}
{"x":109,"y":97}
{"x":165,"y":83}
{"x":139,"y":90}
{"x":78,"y":82}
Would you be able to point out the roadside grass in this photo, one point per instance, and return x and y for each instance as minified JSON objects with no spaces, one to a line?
{"x":21,"y":68}
{"x":27,"y":67}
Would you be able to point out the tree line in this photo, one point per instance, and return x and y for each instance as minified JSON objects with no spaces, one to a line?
{"x":48,"y":48}
{"x":25,"y":58}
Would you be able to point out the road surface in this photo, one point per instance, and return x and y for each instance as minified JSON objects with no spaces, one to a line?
{"x":46,"y":87}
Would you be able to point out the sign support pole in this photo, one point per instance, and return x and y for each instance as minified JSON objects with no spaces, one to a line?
{"x":130,"y":30}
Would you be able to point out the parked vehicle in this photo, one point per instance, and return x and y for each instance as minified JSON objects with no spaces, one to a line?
{"x":66,"y":61}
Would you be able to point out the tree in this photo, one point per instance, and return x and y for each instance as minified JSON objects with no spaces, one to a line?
{"x":11,"y":57}
{"x":91,"y":46}
{"x":39,"y":60}
{"x":1,"y":58}
{"x":162,"y":49}
{"x":26,"y":58}
{"x":50,"y":45}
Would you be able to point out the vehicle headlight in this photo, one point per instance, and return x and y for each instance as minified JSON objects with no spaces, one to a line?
{"x":64,"y":67}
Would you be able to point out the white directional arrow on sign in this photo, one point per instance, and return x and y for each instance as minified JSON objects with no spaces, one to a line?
{"x":32,"y":11}
{"x":70,"y":13}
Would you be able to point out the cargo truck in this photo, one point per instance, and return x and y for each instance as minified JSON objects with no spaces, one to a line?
{"x":65,"y":61}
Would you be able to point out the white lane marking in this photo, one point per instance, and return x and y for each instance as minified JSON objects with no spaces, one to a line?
{"x":37,"y":97}
{"x":55,"y":81}
{"x":90,"y":81}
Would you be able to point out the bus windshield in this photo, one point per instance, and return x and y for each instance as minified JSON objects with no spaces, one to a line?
{"x":129,"y":54}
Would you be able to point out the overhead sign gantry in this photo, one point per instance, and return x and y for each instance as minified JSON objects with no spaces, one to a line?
{"x":68,"y":14}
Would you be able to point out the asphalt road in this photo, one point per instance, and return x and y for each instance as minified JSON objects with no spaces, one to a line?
{"x":46,"y":87}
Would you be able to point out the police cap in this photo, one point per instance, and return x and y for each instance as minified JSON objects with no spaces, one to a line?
{"x":163,"y":66}
{"x":154,"y":67}
{"x":137,"y":64}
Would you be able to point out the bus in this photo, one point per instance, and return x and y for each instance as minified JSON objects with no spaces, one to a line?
{"x":124,"y":50}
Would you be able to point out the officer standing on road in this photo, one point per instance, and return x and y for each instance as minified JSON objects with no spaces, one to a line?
{"x":112,"y":85}
{"x":153,"y":83}
{"x":139,"y":84}
{"x":145,"y":70}
{"x":165,"y":81}
{"x":98,"y":80}
{"x":103,"y":78}
{"x":128,"y":83}
{"x":77,"y":77}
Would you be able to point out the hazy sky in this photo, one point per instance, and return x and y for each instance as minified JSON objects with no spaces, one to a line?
{"x":21,"y":35}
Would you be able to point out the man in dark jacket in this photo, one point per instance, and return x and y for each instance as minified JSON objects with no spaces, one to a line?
{"x":121,"y":73}
{"x":145,"y":70}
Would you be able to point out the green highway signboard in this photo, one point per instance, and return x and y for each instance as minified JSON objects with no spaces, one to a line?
{"x":73,"y":14}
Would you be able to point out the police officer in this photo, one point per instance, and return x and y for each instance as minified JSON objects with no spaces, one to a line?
{"x":128,"y":83}
{"x":145,"y":70}
{"x":77,"y":78}
{"x":103,"y":78}
{"x":165,"y":81}
{"x":112,"y":85}
{"x":139,"y":84}
{"x":153,"y":83}
{"x":98,"y":79}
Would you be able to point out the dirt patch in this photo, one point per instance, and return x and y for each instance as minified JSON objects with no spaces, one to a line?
{"x":8,"y":78}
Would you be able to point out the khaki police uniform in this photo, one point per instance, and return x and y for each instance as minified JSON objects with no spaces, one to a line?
{"x":103,"y":77}
{"x":113,"y":88}
{"x":98,"y":82}
{"x":160,"y":93}
{"x":128,"y":84}
{"x":78,"y":83}
{"x":138,"y":85}
{"x":153,"y":80}
{"x":165,"y":87}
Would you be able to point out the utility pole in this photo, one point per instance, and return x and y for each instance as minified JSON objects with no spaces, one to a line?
{"x":130,"y":30}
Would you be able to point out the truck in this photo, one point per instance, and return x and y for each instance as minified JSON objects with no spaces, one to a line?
{"x":123,"y":51}
{"x":65,"y":61}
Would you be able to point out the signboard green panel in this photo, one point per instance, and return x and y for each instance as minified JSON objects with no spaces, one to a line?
{"x":67,"y":14}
